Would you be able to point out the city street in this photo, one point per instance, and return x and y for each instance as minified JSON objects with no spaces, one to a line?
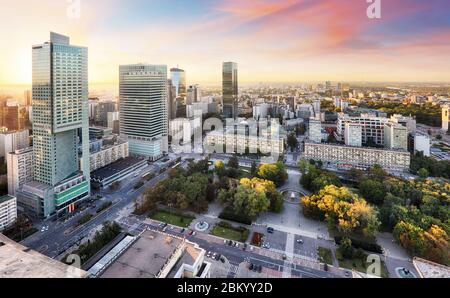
{"x":56,"y":240}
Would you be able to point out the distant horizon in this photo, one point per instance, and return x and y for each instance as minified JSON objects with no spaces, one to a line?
{"x":243,"y":83}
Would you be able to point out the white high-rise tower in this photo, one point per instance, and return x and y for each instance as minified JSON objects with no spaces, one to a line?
{"x":445,"y":111}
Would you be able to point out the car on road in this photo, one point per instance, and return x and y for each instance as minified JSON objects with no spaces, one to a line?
{"x":222,"y":259}
{"x":208,"y":255}
{"x":214,"y":255}
{"x":182,"y":231}
{"x":225,"y":241}
{"x":217,"y":257}
{"x":347,"y":273}
{"x":300,"y":241}
{"x":284,"y":257}
{"x":250,"y":267}
{"x":236,"y":244}
{"x":270,"y":230}
{"x":259,"y":269}
{"x":190,"y":232}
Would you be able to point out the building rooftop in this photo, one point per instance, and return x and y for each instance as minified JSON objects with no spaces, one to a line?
{"x":154,"y":254}
{"x":18,"y":261}
{"x":145,"y":258}
{"x":6,"y":198}
{"x":428,"y":269}
{"x":116,"y":167}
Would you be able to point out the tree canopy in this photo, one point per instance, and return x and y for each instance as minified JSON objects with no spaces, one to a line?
{"x":273,"y":172}
{"x":343,"y":209}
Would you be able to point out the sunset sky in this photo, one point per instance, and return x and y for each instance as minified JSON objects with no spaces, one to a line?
{"x":271,"y":40}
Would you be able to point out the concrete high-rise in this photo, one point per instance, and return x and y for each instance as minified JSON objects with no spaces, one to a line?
{"x":143,"y":109}
{"x":230,"y":90}
{"x":395,"y":136}
{"x":353,"y":134}
{"x":445,"y":114}
{"x":193,"y":94}
{"x":20,"y":169}
{"x":60,"y":121}
{"x":315,"y":130}
{"x":171,"y":100}
{"x":101,"y":112}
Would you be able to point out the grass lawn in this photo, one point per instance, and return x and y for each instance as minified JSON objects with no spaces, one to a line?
{"x":174,"y":219}
{"x":229,"y":233}
{"x":360,"y":265}
{"x":325,"y":255}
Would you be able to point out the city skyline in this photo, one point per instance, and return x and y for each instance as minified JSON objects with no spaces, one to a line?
{"x":273,"y":41}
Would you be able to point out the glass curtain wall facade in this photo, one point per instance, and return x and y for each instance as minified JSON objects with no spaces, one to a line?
{"x":230,"y":90}
{"x":60,"y":119}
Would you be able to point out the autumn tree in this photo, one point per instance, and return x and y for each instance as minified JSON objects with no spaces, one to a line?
{"x":343,"y":209}
{"x":273,"y":172}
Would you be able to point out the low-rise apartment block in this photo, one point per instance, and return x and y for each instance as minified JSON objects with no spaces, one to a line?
{"x":347,"y":157}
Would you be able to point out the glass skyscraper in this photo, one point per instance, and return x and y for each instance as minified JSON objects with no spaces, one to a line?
{"x":178,"y":77}
{"x":230,"y":90}
{"x":60,"y":121}
{"x":143,"y":109}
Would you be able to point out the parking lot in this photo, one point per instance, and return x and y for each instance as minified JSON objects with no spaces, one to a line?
{"x":305,"y":246}
{"x":276,"y":240}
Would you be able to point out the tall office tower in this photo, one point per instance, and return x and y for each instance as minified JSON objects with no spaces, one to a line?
{"x":27,"y":97}
{"x":60,"y":120}
{"x":291,"y":102}
{"x":316,"y":107}
{"x":353,"y":135}
{"x":230,"y":90}
{"x":112,"y":118}
{"x":143,"y":111}
{"x":171,"y":103}
{"x":13,"y":116}
{"x":315,"y":130}
{"x":178,"y":77}
{"x":445,"y":111}
{"x":395,"y":136}
{"x":193,"y":94}
{"x":101,"y":112}
{"x":93,"y":102}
